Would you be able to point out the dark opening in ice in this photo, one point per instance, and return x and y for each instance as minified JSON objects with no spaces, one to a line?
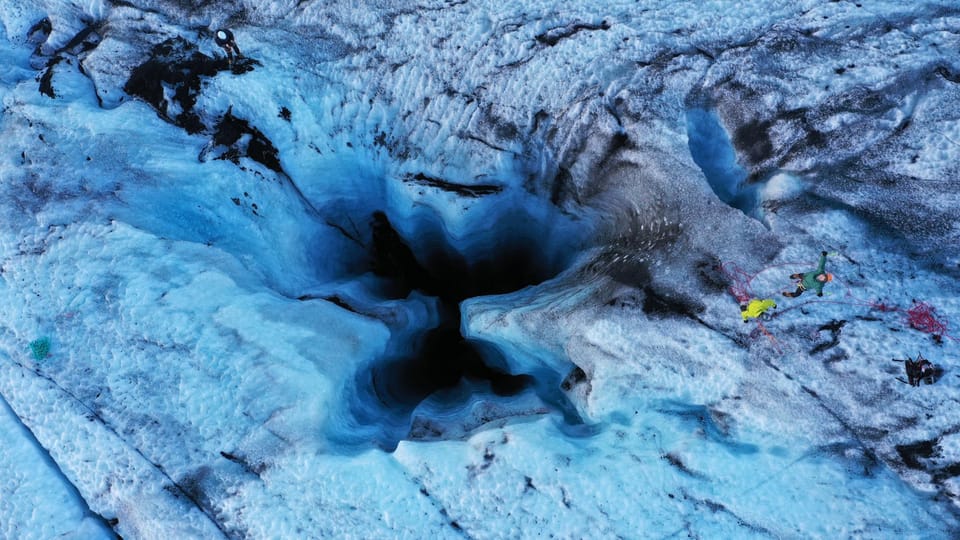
{"x":443,"y":360}
{"x":441,"y":365}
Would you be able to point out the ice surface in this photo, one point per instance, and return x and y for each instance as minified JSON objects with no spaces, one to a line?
{"x":37,"y":501}
{"x":533,"y":220}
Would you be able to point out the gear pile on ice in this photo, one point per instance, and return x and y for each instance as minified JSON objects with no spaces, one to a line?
{"x":919,"y":370}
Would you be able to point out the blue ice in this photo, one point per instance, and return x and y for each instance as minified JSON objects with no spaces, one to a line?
{"x":713,"y":152}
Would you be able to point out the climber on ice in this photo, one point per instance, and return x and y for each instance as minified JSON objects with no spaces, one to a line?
{"x":756,"y":308}
{"x":814,"y":279}
{"x":225,"y":40}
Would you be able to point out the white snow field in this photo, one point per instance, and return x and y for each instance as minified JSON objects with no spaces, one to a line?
{"x":446,"y":269}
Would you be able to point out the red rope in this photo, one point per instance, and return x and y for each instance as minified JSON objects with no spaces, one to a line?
{"x":921,"y":316}
{"x":886,"y":308}
{"x":739,"y":282}
{"x":773,"y":340}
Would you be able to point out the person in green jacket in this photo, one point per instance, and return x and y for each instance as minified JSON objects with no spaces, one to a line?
{"x":814,"y":279}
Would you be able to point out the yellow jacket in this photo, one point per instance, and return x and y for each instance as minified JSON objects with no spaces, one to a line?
{"x":756,"y":308}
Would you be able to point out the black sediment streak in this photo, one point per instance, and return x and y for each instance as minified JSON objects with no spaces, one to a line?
{"x":947,"y":74}
{"x":40,"y":31}
{"x":465,"y":190}
{"x":85,"y":40}
{"x":254,"y":469}
{"x":660,"y":305}
{"x":561,"y":188}
{"x":575,"y":377}
{"x":553,"y":36}
{"x":678,"y":463}
{"x":753,"y":140}
{"x":911,"y":454}
{"x":230,"y":130}
{"x":46,"y":79}
{"x":178,"y":64}
{"x":834,"y":327}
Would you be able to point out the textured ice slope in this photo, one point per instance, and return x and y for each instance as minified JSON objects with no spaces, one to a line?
{"x":255,"y":277}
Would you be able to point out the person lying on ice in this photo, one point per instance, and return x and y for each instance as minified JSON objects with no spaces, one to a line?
{"x":756,"y":308}
{"x":814,"y":279}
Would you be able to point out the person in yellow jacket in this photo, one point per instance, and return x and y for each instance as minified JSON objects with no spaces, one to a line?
{"x":756,"y":308}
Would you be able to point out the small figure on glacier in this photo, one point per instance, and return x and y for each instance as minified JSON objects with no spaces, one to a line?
{"x":224,"y":38}
{"x":918,"y":370}
{"x":814,"y":279}
{"x":756,"y":308}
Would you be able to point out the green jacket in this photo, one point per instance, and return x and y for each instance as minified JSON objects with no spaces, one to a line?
{"x":809,"y":280}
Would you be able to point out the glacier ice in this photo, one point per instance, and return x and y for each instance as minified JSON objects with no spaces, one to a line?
{"x":456,"y":269}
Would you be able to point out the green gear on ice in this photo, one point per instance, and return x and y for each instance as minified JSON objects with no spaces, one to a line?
{"x":40,"y":348}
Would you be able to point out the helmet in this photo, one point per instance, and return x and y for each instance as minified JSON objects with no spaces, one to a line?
{"x":221,"y":35}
